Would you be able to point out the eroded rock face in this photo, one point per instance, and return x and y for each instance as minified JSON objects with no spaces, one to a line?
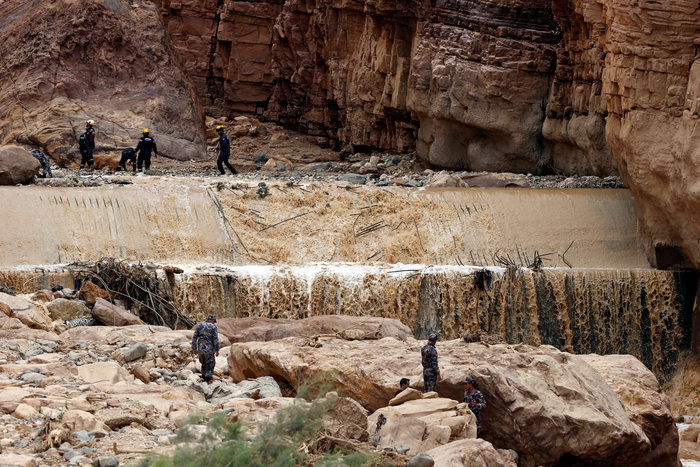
{"x":637,"y":66}
{"x":547,"y":405}
{"x":66,"y":62}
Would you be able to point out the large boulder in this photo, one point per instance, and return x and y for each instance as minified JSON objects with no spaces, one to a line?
{"x":112,"y":315}
{"x":32,"y":315}
{"x":66,"y":310}
{"x":421,"y":424}
{"x":355,"y":327}
{"x":17,"y":165}
{"x":79,"y":420}
{"x":471,"y":453}
{"x":104,"y":372}
{"x":548,"y":406}
{"x":91,"y":292}
{"x":644,"y":401}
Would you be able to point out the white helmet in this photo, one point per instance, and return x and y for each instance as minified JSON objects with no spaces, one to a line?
{"x":90,"y":122}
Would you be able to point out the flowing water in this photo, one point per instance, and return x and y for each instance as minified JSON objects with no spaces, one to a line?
{"x":435,"y":259}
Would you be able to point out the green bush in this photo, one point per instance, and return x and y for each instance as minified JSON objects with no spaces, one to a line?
{"x":290,"y":439}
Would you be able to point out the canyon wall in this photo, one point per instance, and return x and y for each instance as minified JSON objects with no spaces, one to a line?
{"x":566,"y":86}
{"x":64,"y":62}
{"x":637,"y":65}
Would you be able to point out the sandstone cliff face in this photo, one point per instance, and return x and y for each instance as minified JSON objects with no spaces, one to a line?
{"x":63,"y":62}
{"x":637,"y":65}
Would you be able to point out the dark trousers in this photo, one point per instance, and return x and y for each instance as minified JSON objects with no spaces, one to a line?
{"x":87,"y":158}
{"x":224,"y":160}
{"x":124,"y":160}
{"x":208,"y":361}
{"x":145,"y":160}
{"x":429,"y":381}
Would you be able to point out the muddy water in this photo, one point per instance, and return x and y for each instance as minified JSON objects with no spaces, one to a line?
{"x":195,"y":221}
{"x":645,"y":313}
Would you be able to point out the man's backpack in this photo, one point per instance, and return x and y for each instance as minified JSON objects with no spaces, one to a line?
{"x":84,"y":141}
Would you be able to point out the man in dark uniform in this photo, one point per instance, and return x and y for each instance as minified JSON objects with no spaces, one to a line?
{"x":224,"y":152}
{"x":128,"y":155}
{"x":403,"y":385}
{"x":431,"y":371}
{"x":45,"y":162}
{"x":205,"y":344}
{"x":475,"y":400}
{"x":144,"y":148}
{"x":87,"y":145}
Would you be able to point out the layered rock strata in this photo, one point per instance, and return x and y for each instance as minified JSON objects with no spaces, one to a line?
{"x":65,"y":62}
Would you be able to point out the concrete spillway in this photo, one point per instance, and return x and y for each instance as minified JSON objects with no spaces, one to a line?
{"x":164,"y":221}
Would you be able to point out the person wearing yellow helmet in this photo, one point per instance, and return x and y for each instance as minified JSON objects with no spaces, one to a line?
{"x":144,"y":148}
{"x":224,"y":152}
{"x":86,"y":144}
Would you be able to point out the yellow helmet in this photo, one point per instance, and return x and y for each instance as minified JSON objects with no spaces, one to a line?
{"x":220,"y":127}
{"x":146,"y":130}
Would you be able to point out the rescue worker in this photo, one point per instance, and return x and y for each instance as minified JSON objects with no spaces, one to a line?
{"x":45,"y":163}
{"x":144,"y":148}
{"x":403,"y":385}
{"x":475,"y":400}
{"x":128,"y":155}
{"x":224,"y":152}
{"x":86,"y":144}
{"x":429,"y":359}
{"x":205,"y":344}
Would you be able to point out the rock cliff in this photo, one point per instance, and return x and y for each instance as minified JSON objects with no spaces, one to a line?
{"x":64,"y":62}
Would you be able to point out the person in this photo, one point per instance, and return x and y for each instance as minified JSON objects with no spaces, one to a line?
{"x":403,"y":384}
{"x":475,"y":400}
{"x":224,"y":152}
{"x":205,"y":344}
{"x":45,"y":163}
{"x":86,"y":144}
{"x":144,"y":148}
{"x":431,"y":371}
{"x":128,"y":155}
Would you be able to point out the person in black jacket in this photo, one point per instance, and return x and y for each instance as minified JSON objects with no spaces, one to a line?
{"x":144,"y":148}
{"x":224,"y":152}
{"x":87,"y":145}
{"x":128,"y":155}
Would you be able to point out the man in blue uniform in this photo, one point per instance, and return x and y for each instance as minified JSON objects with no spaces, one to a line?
{"x":144,"y":148}
{"x":224,"y":152}
{"x":475,"y":400}
{"x":205,"y":344}
{"x":429,"y":358}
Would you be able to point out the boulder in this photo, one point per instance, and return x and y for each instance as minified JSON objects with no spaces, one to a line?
{"x":28,"y":313}
{"x":495,"y":180}
{"x":24,"y":411}
{"x":103,"y":372}
{"x":644,"y":401}
{"x":255,"y":412}
{"x":689,"y":446}
{"x":545,"y":404}
{"x":79,"y":420}
{"x":408,"y":394}
{"x":470,"y":453}
{"x":266,"y":329}
{"x":112,"y":315}
{"x":444,"y":180}
{"x":44,"y":295}
{"x":421,"y":424}
{"x":17,"y":165}
{"x":421,"y":460}
{"x":345,"y":418}
{"x":134,"y":352}
{"x":123,"y":334}
{"x":17,"y":460}
{"x":7,"y":323}
{"x":66,"y":310}
{"x":91,"y":292}
{"x":141,"y":373}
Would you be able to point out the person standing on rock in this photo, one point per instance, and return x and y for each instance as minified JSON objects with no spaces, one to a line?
{"x":205,"y":344}
{"x":144,"y":148}
{"x":224,"y":152}
{"x":86,"y":144}
{"x":431,"y":371}
{"x":475,"y":400}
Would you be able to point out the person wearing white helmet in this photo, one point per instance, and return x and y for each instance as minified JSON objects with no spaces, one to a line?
{"x":144,"y":148}
{"x":86,"y":144}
